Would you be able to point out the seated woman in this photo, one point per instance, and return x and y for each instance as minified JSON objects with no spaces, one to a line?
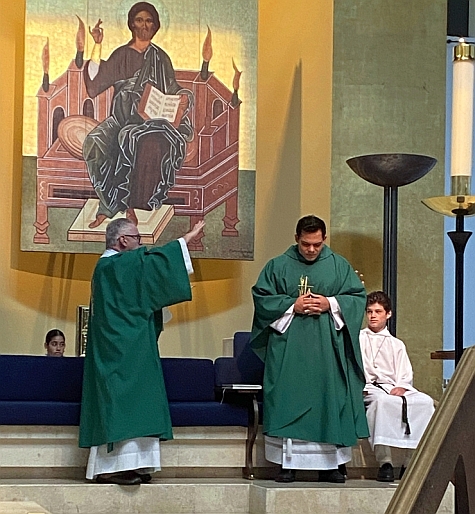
{"x":397,"y":413}
{"x":55,"y":343}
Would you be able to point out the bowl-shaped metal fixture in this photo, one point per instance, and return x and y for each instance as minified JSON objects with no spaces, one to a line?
{"x":391,"y":169}
{"x":451,"y":205}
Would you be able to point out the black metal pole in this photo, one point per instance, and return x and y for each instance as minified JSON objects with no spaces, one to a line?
{"x":390,"y":251}
{"x":386,"y":216}
{"x":459,"y":239}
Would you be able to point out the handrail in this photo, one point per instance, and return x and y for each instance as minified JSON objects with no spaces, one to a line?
{"x":446,"y":451}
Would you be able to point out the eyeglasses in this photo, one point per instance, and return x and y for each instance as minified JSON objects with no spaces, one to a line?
{"x":137,"y":237}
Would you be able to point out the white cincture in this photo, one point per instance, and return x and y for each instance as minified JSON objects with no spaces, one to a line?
{"x":288,"y":452}
{"x":373,"y":356}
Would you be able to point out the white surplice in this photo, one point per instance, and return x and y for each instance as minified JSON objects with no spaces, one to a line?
{"x":141,"y":454}
{"x":386,"y":362}
{"x":298,"y":454}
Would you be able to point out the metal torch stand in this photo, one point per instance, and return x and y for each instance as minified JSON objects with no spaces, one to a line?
{"x":390,"y":250}
{"x":459,"y":239}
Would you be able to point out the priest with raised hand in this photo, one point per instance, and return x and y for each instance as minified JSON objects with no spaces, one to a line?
{"x":124,"y":412}
{"x":309,"y":305}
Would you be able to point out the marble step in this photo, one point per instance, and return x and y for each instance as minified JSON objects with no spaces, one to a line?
{"x":17,"y":507}
{"x":205,"y":496}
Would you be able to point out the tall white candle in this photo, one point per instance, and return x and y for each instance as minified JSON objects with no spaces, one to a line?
{"x":462,"y":111}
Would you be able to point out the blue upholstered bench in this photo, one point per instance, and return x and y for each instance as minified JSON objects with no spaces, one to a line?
{"x":37,"y":390}
{"x":193,"y":397}
{"x":40,"y":390}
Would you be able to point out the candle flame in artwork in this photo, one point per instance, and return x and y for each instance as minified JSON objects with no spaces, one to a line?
{"x":45,"y":57}
{"x":237,"y":76}
{"x":207,"y":51}
{"x":80,"y":35}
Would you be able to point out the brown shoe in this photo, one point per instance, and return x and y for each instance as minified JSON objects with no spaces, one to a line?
{"x":121,"y":478}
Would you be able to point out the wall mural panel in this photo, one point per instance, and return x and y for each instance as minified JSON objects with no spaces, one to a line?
{"x":145,"y":110}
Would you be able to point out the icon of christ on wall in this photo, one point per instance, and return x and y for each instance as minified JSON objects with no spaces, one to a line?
{"x":128,"y":135}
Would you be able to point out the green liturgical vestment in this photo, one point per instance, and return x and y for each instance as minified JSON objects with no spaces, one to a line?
{"x":124,"y":394}
{"x":313,"y":378}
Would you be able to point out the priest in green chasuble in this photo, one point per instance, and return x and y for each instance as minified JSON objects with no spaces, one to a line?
{"x":124,"y":412}
{"x":309,"y":305}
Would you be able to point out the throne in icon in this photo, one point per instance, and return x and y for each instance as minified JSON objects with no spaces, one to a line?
{"x":207,"y":179}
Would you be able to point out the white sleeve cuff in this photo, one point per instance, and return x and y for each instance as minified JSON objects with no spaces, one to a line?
{"x":167,"y":315}
{"x":283,"y":323}
{"x":336,"y":313}
{"x":186,"y":256}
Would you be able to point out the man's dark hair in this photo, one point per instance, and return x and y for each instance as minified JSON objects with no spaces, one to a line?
{"x":310,"y":224}
{"x":143,"y":6}
{"x":379,"y":297}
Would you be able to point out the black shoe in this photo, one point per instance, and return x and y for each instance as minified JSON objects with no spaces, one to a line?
{"x":331,"y":475}
{"x":286,"y":476}
{"x":121,"y":478}
{"x":342,"y":470}
{"x":402,"y":471}
{"x":145,"y":477}
{"x":385,"y":473}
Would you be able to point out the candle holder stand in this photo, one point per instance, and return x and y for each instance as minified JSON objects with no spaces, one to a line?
{"x":459,"y":207}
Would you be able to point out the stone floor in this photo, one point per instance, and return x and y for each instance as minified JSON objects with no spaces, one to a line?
{"x":199,"y":496}
{"x":21,"y":508}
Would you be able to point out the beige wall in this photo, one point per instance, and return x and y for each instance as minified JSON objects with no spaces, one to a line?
{"x":389,"y":96}
{"x":40,"y":290}
{"x":388,"y":81}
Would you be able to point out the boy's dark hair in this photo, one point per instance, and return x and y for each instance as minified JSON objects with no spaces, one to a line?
{"x":379,"y":297}
{"x":310,"y":224}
